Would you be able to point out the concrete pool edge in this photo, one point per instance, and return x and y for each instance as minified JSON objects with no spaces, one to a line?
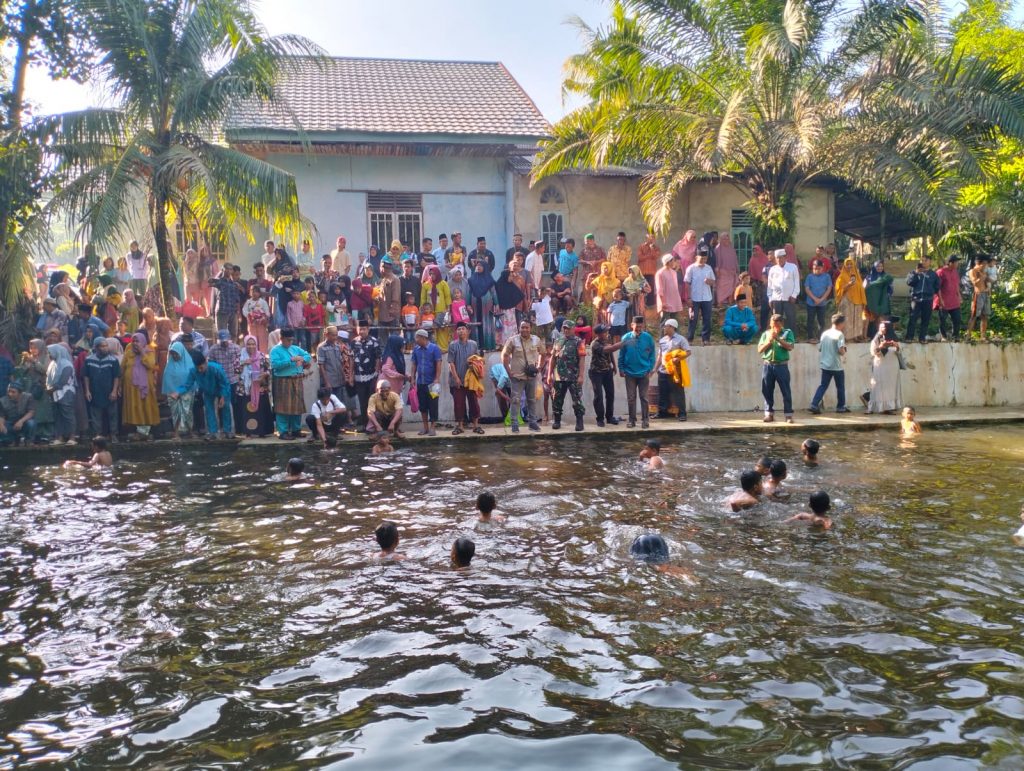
{"x":698,"y":423}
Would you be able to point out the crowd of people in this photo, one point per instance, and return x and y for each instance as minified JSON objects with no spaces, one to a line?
{"x":107,"y":356}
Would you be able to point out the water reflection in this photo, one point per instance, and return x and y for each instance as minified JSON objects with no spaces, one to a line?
{"x":183,"y":612}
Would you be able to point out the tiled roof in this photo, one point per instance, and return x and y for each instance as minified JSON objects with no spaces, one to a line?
{"x":397,"y":96}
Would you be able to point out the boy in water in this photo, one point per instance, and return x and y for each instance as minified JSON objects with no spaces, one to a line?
{"x":462,"y":553}
{"x":763,"y":466}
{"x":809,"y":449}
{"x":293,"y":471}
{"x":773,"y":487}
{"x":909,"y":425}
{"x":485,"y":505}
{"x":100,"y":456}
{"x":1018,"y":537}
{"x":652,"y":454}
{"x":383,"y":444}
{"x":818,"y":516}
{"x":752,"y":488}
{"x":387,"y":538}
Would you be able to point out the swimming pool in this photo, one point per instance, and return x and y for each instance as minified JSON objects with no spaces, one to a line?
{"x":183,"y":611}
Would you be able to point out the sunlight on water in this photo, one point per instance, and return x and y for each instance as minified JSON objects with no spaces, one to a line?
{"x":184,"y":612}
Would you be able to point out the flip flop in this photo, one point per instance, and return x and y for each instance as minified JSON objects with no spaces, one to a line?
{"x":457,"y":431}
{"x":478,"y":430}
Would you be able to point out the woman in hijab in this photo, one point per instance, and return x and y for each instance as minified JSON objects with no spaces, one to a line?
{"x":361,"y":301}
{"x":61,"y":387}
{"x":139,"y":406}
{"x":483,"y":299}
{"x":636,"y":288}
{"x":709,"y":241}
{"x":727,"y":272}
{"x":509,"y":297}
{"x":878,"y":294}
{"x":254,"y":385}
{"x":436,"y":292}
{"x":67,"y":300}
{"x":851,"y":300}
{"x":374,"y":257}
{"x":129,"y":310}
{"x":686,"y":250}
{"x":457,"y":280}
{"x":56,"y":278}
{"x":757,"y":268}
{"x":604,"y":284}
{"x":179,"y":388}
{"x":393,"y":363}
{"x":884,"y":395}
{"x":122,"y":276}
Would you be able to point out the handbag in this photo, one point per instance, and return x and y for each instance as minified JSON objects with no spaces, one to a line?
{"x":414,"y":400}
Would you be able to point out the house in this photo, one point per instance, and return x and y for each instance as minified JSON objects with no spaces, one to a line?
{"x":397,"y":148}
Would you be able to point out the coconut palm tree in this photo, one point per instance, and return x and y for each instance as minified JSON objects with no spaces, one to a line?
{"x":773,"y":95}
{"x":174,"y":69}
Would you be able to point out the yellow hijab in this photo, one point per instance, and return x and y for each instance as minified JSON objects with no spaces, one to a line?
{"x":848,"y":284}
{"x":605,"y":283}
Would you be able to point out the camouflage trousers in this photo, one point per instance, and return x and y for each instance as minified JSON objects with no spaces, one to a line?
{"x":575,"y":391}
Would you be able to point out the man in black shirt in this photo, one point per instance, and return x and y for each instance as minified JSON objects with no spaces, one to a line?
{"x":517,"y":248}
{"x":602,"y":376}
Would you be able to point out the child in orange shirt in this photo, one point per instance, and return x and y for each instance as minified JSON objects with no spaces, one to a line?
{"x":410,"y":317}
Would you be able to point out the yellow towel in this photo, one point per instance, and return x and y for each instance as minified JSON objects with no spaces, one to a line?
{"x":475,"y":375}
{"x":678,"y":369}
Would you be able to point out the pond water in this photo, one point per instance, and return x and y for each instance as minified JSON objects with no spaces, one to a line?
{"x":181,"y":611}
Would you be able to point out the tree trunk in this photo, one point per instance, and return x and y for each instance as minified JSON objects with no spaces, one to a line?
{"x":165,"y":258}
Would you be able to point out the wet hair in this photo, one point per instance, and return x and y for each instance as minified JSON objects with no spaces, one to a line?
{"x":778,"y":469}
{"x":295,"y":466}
{"x":653,"y":444}
{"x":838,"y":318}
{"x":386,"y":535}
{"x":462,"y":552}
{"x":323,"y":393}
{"x":100,"y":443}
{"x":811,"y":446}
{"x":749,"y":480}
{"x":820,"y":502}
{"x":649,"y":547}
{"x":764,"y":461}
{"x":486,"y":503}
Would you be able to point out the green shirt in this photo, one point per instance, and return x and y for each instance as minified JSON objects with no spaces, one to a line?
{"x":777,"y":354}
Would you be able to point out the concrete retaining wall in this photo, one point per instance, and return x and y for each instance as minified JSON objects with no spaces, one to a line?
{"x":728,"y":379}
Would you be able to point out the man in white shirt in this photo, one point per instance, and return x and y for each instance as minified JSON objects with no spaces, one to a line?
{"x":700,"y":277}
{"x":326,"y":416}
{"x":535,"y":266}
{"x":268,"y":256}
{"x":138,"y":264}
{"x":543,"y":316}
{"x":783,"y":287}
{"x":669,"y":392}
{"x":340,"y":258}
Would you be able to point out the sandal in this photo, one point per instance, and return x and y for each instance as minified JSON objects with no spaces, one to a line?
{"x":457,"y":431}
{"x":478,"y":430}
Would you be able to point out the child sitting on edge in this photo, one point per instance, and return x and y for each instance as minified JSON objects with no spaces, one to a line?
{"x":817,"y":517}
{"x":810,"y":449}
{"x":773,"y":487}
{"x":294,"y":469}
{"x":652,"y":454}
{"x":100,"y":456}
{"x":763,"y":466}
{"x":383,"y":444}
{"x":462,"y":553}
{"x":751,"y":490}
{"x":485,"y":505}
{"x":908,"y":425}
{"x":387,"y":538}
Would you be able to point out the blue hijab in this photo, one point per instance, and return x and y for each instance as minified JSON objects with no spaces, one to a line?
{"x":395,"y":348}
{"x":177,"y":373}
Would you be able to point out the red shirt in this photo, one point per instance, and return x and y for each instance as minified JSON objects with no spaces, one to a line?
{"x":315,"y":316}
{"x":948,"y":297}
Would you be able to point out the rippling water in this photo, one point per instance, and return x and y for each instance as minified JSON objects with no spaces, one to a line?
{"x":184,"y":611}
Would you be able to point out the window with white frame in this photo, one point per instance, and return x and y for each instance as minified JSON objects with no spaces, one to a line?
{"x":395,"y":215}
{"x":742,"y":233}
{"x":551,"y":231}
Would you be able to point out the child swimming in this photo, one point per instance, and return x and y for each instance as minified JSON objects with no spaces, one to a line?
{"x":652,"y":454}
{"x":809,"y":450}
{"x":485,"y":505}
{"x":100,"y":456}
{"x":462,"y":553}
{"x":820,"y":505}
{"x":763,"y":465}
{"x":751,"y":490}
{"x":387,"y":538}
{"x":653,"y":549}
{"x":773,"y":487}
{"x":908,"y":424}
{"x":294,"y":469}
{"x":383,"y":444}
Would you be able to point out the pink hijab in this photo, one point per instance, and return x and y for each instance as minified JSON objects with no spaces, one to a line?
{"x":686,"y":249}
{"x":140,"y":375}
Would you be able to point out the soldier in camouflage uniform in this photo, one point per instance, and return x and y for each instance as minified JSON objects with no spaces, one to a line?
{"x":565,"y":370}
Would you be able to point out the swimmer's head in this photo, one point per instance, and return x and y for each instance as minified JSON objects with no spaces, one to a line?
{"x":462,"y":552}
{"x":649,"y":547}
{"x":820,"y":502}
{"x":810,"y":448}
{"x":486,"y":503}
{"x":386,"y":535}
{"x":763,"y":465}
{"x":778,"y":469}
{"x":751,"y":482}
{"x":651,"y":448}
{"x":909,"y":413}
{"x":295,"y":466}
{"x":99,"y":444}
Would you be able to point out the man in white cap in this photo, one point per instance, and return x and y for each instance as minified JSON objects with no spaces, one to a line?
{"x":426,"y":376}
{"x":784,"y":287}
{"x":670,"y":392}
